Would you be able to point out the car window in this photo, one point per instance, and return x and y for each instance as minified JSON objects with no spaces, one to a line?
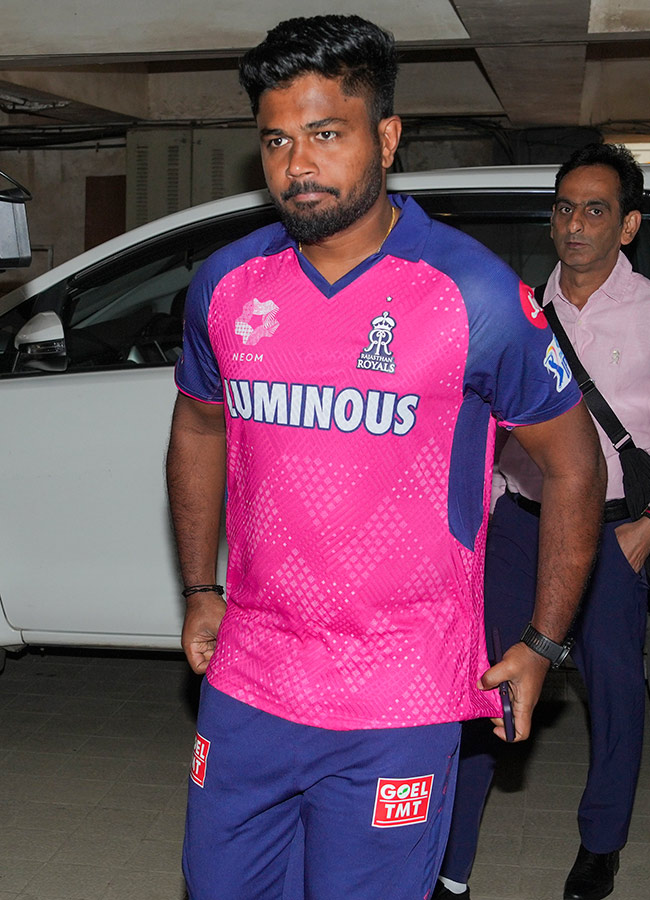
{"x":515,"y":226}
{"x":117,"y":296}
{"x":128,"y":311}
{"x":134,"y":318}
{"x":131,"y":312}
{"x":525,"y":245}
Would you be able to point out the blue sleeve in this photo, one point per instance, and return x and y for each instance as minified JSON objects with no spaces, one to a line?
{"x":514,"y":370}
{"x":514,"y":363}
{"x":197,"y":372}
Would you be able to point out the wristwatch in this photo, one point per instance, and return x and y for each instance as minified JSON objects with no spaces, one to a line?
{"x":547,"y":648}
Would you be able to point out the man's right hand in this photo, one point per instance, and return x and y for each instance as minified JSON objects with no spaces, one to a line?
{"x":525,"y":671}
{"x":202,"y":620}
{"x":634,"y":540}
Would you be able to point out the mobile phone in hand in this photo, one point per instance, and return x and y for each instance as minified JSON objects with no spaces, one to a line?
{"x":504,"y":689}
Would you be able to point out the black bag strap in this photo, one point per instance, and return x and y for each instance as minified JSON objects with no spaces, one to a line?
{"x":598,"y":406}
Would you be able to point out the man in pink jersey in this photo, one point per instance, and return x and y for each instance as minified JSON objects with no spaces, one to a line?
{"x":342,"y":374}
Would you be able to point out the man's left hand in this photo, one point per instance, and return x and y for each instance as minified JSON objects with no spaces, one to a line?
{"x":634,"y":541}
{"x":526,"y":671}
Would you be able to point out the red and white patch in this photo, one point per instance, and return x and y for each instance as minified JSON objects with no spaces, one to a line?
{"x":532,"y":310}
{"x":199,"y":760}
{"x":402,"y":801}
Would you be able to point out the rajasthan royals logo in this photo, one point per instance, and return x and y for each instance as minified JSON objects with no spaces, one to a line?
{"x":377,"y":355}
{"x":557,"y":365}
{"x":253,"y":329}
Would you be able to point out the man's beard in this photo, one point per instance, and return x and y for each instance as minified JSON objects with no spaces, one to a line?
{"x":308,"y":224}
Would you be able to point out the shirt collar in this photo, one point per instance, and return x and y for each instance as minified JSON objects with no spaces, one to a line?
{"x":615,"y":285}
{"x":406,"y":240}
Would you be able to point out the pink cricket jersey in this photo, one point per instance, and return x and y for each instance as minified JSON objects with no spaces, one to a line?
{"x":360,"y":421}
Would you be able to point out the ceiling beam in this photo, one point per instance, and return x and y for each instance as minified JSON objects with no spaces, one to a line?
{"x":541,"y":85}
{"x":539,"y":82}
{"x":514,"y":21}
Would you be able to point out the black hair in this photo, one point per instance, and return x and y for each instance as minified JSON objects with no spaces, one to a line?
{"x":617,"y":157}
{"x":359,"y":52}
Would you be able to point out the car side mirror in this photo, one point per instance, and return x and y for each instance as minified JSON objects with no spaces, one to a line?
{"x":41,"y":344}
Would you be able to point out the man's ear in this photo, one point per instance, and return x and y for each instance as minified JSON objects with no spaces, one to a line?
{"x":389,"y":131}
{"x":631,"y":224}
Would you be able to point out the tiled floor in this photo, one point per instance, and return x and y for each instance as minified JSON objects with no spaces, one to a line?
{"x":94,"y":751}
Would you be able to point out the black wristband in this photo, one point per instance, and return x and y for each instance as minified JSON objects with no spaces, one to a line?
{"x":547,"y":648}
{"x":646,"y":513}
{"x":203,"y":589}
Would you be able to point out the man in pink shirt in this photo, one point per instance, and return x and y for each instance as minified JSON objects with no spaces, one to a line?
{"x":604,"y":307}
{"x":342,"y":373}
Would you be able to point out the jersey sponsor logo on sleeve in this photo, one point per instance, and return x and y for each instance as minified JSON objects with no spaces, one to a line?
{"x":532,"y":310}
{"x":556,"y":363}
{"x":256,"y":321}
{"x":402,"y":801}
{"x":377,"y":355}
{"x":199,"y":760}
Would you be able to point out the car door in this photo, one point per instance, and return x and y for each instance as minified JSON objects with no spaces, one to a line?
{"x":85,"y":545}
{"x":86,"y":551}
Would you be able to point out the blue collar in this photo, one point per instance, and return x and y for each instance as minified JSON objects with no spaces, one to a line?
{"x":406,"y":241}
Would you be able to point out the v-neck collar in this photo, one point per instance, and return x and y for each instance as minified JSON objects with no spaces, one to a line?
{"x":405,"y":241}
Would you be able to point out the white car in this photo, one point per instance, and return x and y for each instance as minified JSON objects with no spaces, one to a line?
{"x":86,"y":394}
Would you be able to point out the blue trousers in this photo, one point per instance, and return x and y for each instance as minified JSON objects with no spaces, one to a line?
{"x":609,"y":633}
{"x":281,"y":811}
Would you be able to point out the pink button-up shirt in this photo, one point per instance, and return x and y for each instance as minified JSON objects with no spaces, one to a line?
{"x":611,"y":335}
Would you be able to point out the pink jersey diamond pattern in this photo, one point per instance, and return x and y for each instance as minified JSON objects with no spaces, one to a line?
{"x":350,"y":603}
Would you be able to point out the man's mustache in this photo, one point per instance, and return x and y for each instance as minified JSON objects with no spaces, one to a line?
{"x":308,"y":187}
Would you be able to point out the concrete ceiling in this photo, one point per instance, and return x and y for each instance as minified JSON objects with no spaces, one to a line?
{"x":521,"y":62}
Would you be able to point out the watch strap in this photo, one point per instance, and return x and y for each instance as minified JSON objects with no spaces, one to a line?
{"x":547,"y":648}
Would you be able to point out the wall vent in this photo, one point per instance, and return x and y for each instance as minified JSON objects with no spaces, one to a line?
{"x":170,"y":169}
{"x":158,"y":173}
